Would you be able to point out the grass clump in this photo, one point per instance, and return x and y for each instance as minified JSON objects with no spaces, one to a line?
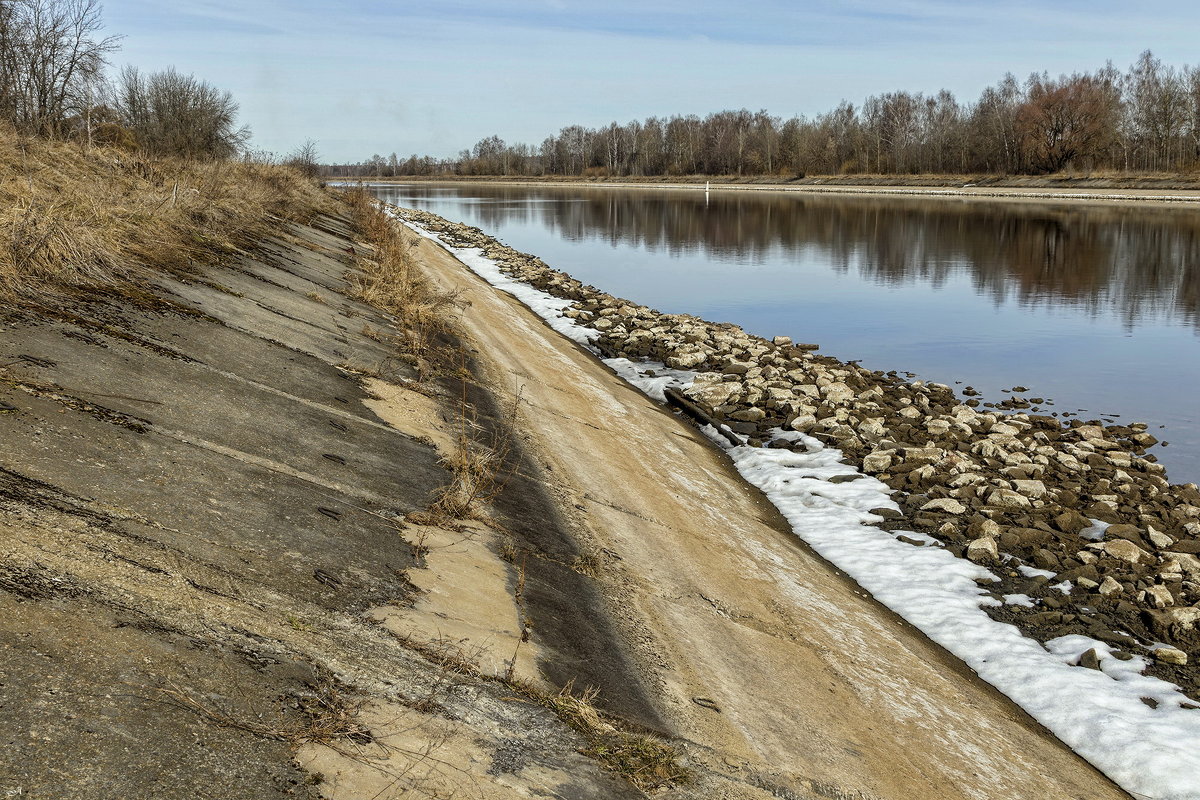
{"x":647,"y":762}
{"x":325,"y":716}
{"x":389,"y":279}
{"x":75,"y":218}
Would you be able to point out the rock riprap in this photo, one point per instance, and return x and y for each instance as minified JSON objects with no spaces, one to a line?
{"x":1074,"y":515}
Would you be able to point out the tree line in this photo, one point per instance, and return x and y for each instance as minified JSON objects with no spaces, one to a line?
{"x":54,"y":83}
{"x":1146,"y":119}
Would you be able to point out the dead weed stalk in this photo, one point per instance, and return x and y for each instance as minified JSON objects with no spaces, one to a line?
{"x":326,"y":717}
{"x":479,"y":467}
{"x":646,"y":761}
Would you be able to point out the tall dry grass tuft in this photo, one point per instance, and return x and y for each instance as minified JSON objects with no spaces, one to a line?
{"x":74,"y":218}
{"x":389,"y":279}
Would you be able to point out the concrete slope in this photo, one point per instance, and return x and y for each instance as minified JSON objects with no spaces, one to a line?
{"x":207,"y":586}
{"x":783,"y":677}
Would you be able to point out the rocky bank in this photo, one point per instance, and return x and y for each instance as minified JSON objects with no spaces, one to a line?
{"x":1074,"y":515}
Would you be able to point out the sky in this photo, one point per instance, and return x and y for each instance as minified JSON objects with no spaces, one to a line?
{"x":433,"y":77}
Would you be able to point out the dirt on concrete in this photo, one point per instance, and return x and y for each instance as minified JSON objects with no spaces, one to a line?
{"x":208,"y":586}
{"x":782,"y":676}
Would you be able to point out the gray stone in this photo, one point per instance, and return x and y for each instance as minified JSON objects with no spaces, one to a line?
{"x":1090,"y":659}
{"x":1128,"y":551}
{"x":752,"y":414}
{"x":1007,"y":498}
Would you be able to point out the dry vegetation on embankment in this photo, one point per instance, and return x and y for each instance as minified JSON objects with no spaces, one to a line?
{"x":74,"y":218}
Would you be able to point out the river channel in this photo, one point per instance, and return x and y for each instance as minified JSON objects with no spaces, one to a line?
{"x":1093,"y":309}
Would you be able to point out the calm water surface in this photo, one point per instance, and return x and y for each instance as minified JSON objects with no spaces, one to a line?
{"x":1095,"y":308}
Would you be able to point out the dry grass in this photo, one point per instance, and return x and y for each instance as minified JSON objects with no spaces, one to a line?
{"x":326,"y":717}
{"x":389,"y":279}
{"x":479,"y":467}
{"x":648,"y":762}
{"x":75,"y":219}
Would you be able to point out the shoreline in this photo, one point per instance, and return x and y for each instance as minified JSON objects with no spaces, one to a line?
{"x":993,"y":193}
{"x":773,"y":668}
{"x":993,"y":492}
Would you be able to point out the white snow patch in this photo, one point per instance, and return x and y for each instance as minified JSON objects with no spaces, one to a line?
{"x":1152,"y":752}
{"x":1034,"y":572}
{"x":663,"y":377}
{"x":1096,"y":531}
{"x":1019,"y":600}
{"x":545,"y":305}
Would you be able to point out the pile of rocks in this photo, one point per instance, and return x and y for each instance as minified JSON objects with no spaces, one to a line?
{"x":1073,"y":515}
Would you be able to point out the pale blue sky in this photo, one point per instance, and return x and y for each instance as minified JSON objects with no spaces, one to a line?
{"x":435,"y":77}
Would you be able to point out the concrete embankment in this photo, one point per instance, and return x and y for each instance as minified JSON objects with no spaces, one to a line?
{"x":212,"y":579}
{"x":222,"y":575}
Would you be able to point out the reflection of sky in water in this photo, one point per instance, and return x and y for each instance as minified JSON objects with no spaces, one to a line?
{"x":1095,"y":309}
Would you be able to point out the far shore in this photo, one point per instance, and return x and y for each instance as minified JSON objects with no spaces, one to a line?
{"x":1140,"y":190}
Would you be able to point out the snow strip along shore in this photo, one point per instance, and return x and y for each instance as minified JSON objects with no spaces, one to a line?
{"x":969,"y":528}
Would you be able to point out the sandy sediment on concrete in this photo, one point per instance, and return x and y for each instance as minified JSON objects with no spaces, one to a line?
{"x":208,"y":586}
{"x":780,"y":675}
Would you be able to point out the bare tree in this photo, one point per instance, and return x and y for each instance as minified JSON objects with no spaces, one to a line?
{"x":1147,"y":119}
{"x":306,"y":159}
{"x":174,"y":114}
{"x":1071,"y":119}
{"x":51,"y":59}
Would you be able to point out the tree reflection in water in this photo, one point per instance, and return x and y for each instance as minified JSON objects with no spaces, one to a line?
{"x":1135,"y":261}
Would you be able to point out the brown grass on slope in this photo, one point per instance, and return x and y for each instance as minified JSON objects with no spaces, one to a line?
{"x":390,"y":279}
{"x":72,"y":218}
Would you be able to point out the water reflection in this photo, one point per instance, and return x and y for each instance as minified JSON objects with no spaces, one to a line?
{"x":1136,"y":263}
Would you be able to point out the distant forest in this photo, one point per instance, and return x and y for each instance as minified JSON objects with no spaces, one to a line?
{"x":1146,"y":119}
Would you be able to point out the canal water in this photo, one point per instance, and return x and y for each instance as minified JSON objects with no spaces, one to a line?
{"x":1094,"y":309}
